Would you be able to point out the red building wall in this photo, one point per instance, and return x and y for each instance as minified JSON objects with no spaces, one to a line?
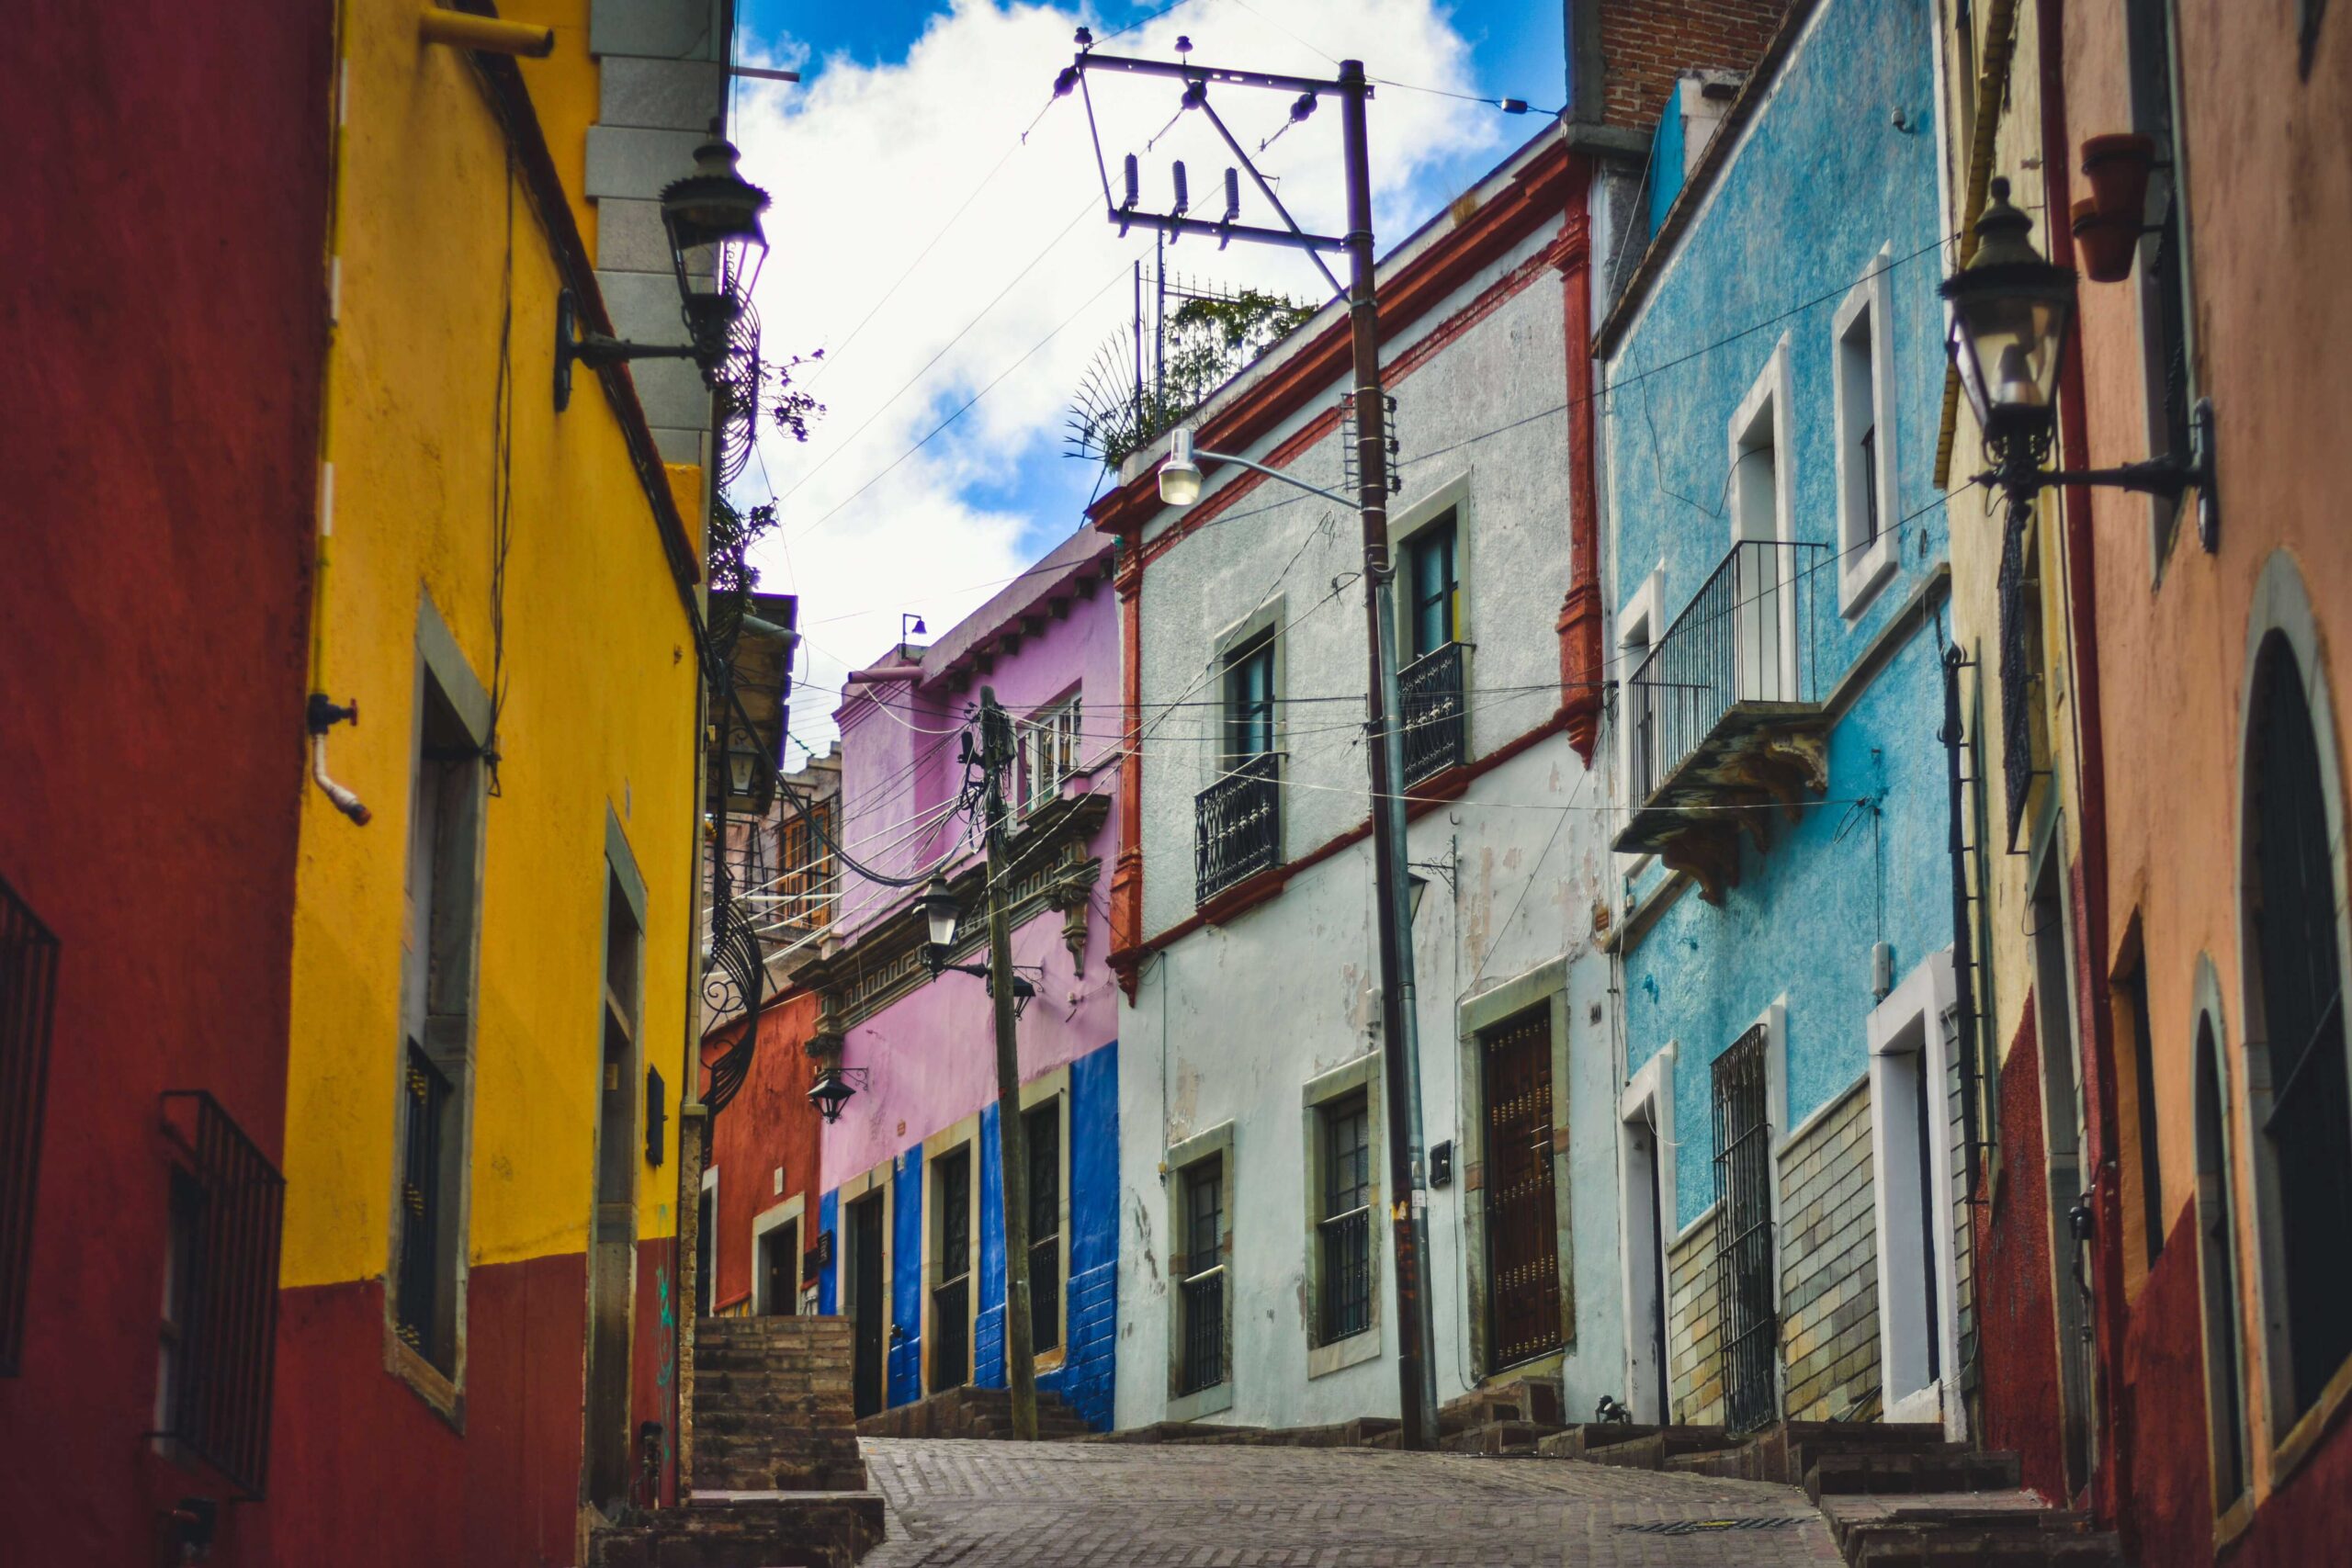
{"x":769,"y":1123}
{"x":160,"y":295}
{"x":2014,"y":1314}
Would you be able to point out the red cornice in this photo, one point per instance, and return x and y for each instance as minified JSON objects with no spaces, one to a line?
{"x":1536,"y":195}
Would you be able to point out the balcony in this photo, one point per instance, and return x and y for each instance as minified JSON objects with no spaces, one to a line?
{"x":1723,"y":717}
{"x":1237,"y":825}
{"x":1436,"y":734}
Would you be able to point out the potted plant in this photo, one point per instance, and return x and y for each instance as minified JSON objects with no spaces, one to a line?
{"x":2116,"y":166}
{"x":2104,"y":243}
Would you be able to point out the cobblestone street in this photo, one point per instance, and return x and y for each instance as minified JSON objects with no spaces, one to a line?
{"x":979,"y":1505}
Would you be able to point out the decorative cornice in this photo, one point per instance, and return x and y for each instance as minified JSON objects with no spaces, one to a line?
{"x":884,"y":963}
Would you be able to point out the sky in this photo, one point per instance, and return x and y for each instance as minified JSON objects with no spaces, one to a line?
{"x":938,"y":232}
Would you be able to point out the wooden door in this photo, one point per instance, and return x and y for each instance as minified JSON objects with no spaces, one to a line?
{"x":780,"y":1269}
{"x":867,"y":1308}
{"x":1522,"y":1218}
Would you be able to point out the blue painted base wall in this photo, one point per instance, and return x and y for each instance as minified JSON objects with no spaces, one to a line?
{"x":1084,"y":1377}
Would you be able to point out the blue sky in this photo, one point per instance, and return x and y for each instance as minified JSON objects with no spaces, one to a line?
{"x":914,"y":112}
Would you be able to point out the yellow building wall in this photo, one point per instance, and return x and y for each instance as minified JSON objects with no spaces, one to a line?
{"x":567,"y":87}
{"x":598,"y":672}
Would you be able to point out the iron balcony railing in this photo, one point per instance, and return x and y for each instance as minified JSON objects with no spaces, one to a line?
{"x":1747,"y":637}
{"x":28,"y":1008}
{"x":1436,"y":733}
{"x":1346,"y":1274}
{"x":1204,"y":1300}
{"x":229,"y":1204}
{"x":1237,"y":824}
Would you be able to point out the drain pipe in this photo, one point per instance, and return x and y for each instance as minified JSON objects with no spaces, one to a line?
{"x":324,"y":715}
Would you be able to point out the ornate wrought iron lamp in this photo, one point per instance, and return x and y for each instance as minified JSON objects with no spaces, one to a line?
{"x":2011,"y":311}
{"x":717,"y":247}
{"x":833,"y":1090}
{"x":942,"y":914}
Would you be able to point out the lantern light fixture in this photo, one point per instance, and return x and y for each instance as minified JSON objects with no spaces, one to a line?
{"x":712,"y":218}
{"x":833,"y":1090}
{"x":939,"y":914}
{"x":2011,"y":312}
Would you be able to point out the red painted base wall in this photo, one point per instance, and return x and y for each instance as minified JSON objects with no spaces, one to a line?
{"x":2016,"y":1318}
{"x":2169,"y":1518}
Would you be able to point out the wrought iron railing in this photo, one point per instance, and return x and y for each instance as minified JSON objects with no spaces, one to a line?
{"x":1346,"y":1286}
{"x":1436,"y":731}
{"x":28,"y":1004}
{"x":1748,"y":636}
{"x":223,"y":1311}
{"x":1237,"y":825}
{"x":1203,"y":1362}
{"x":1747,"y":1294}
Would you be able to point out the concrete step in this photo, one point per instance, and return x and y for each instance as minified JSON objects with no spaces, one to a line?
{"x":1913,"y":1473}
{"x":827,"y":1530}
{"x":1587,"y":1438}
{"x":1521,"y":1399}
{"x":1661,"y":1445}
{"x":2010,"y":1528}
{"x":1498,"y":1438}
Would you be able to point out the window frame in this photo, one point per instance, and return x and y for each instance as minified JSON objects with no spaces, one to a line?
{"x":1185,"y":1162}
{"x":1053,"y":728}
{"x":1342,"y":1087}
{"x":793,"y":1210}
{"x":1241,"y":712}
{"x":963,"y":1142}
{"x":2215,"y":1194}
{"x":1769,"y":406}
{"x":1867,"y":462}
{"x":1052,"y":1091}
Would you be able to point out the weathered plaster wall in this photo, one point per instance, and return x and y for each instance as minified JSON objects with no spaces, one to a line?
{"x":764,"y":1146}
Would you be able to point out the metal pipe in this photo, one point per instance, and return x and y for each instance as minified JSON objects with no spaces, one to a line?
{"x":486,"y":35}
{"x":345,"y":801}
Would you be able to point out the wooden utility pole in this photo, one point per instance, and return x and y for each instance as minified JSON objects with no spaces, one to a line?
{"x":1011,"y":1141}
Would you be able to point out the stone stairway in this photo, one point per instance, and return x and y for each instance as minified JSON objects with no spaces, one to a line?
{"x":972,"y":1412}
{"x":777,"y":1480}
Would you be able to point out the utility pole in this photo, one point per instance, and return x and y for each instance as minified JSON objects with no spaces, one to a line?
{"x":1400,"y":1047}
{"x":1399,"y":1033}
{"x":1012,"y":1142}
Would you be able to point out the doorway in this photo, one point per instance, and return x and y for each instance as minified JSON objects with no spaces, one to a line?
{"x":779,"y":1269}
{"x":869,"y":1308}
{"x":612,"y":1272}
{"x":2061,"y":1122}
{"x":1747,"y":1262}
{"x":1645,"y":1180}
{"x":1522,"y":1218}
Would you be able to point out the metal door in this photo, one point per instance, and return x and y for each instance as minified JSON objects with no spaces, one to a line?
{"x":1523,"y":1221}
{"x":867,"y":1307}
{"x":1746,"y":1297}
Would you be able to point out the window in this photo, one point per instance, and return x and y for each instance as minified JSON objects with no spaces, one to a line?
{"x":1433,"y":612}
{"x":1048,"y":753}
{"x":1249,"y":698}
{"x":2131,"y":993}
{"x":27,"y":992}
{"x":951,"y":1292}
{"x":2166,"y":338}
{"x":1867,"y":548}
{"x":1764,"y":624}
{"x":437,"y":1023}
{"x":1747,"y":1265}
{"x":2296,"y":1010}
{"x":804,"y":877}
{"x":2217,"y":1268}
{"x":218,"y":1320}
{"x":1201,"y":1276}
{"x":1040,"y":1130}
{"x":1343,"y":1232}
{"x":1638,"y":627}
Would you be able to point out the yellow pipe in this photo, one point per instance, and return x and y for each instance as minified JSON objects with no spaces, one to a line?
{"x":491,"y":35}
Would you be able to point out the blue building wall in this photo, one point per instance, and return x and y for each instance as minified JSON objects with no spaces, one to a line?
{"x":829,"y":1214}
{"x":1084,"y":1378}
{"x":1837,"y":167}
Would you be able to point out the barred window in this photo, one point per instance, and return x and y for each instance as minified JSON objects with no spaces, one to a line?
{"x":1343,"y":1230}
{"x":1041,"y":1139}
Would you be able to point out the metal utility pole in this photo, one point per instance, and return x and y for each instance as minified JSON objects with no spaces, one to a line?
{"x":1400,"y":1032}
{"x":1012,"y":1142}
{"x":1408,"y":1172}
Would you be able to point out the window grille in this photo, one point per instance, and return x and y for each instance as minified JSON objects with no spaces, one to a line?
{"x":1202,"y":1292}
{"x":27,"y":1008}
{"x":1430,"y":692}
{"x":1345,"y":1231}
{"x":218,"y":1331}
{"x":1747,"y":1299}
{"x":1042,"y":1141}
{"x":1237,"y":825}
{"x":424,"y":1210}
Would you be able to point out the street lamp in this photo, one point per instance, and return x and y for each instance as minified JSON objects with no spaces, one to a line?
{"x":940,"y":913}
{"x":1179,"y":472}
{"x":2011,"y":310}
{"x":716,"y":246}
{"x":829,"y":1093}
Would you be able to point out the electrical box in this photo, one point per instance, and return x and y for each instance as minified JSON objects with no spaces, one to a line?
{"x":1441,"y":1164}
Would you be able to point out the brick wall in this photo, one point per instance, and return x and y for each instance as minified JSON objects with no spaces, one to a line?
{"x":772,"y":1406}
{"x":1829,"y":1266}
{"x":1643,"y":43}
{"x":1696,"y":1385}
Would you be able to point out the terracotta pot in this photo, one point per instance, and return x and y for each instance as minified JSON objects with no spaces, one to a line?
{"x":2117,"y":167}
{"x":2104,"y":244}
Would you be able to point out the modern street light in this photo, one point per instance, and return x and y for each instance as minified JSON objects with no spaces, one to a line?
{"x":717,"y":246}
{"x":2011,"y":311}
{"x":1179,"y":472}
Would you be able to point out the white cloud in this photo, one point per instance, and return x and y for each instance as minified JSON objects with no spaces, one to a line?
{"x":866,"y":162}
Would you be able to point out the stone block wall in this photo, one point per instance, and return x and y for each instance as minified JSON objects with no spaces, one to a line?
{"x":772,"y":1406}
{"x":1828,"y":1257}
{"x":1695,"y":1385}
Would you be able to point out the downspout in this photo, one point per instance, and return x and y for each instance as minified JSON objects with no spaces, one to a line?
{"x":693,"y":1117}
{"x":321,"y":713}
{"x":2111,"y":1478}
{"x":1580,"y":612}
{"x":1964,"y":936}
{"x":1127,"y":873}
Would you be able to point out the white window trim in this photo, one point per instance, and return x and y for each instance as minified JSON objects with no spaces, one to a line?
{"x":1361,"y":1076}
{"x":1640,"y":623}
{"x":1038,"y":727}
{"x":1907,"y":1045}
{"x":1768,"y":397}
{"x":1861,"y":573}
{"x":962,"y":1136}
{"x":1648,"y":1102}
{"x":774,"y":1217}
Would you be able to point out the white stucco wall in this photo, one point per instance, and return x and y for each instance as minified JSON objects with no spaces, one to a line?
{"x":1232,"y":1021}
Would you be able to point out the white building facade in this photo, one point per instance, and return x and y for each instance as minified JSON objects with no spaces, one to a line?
{"x":1256,"y":1278}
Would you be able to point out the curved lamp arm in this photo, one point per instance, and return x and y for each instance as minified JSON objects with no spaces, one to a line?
{"x":1274,"y":474}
